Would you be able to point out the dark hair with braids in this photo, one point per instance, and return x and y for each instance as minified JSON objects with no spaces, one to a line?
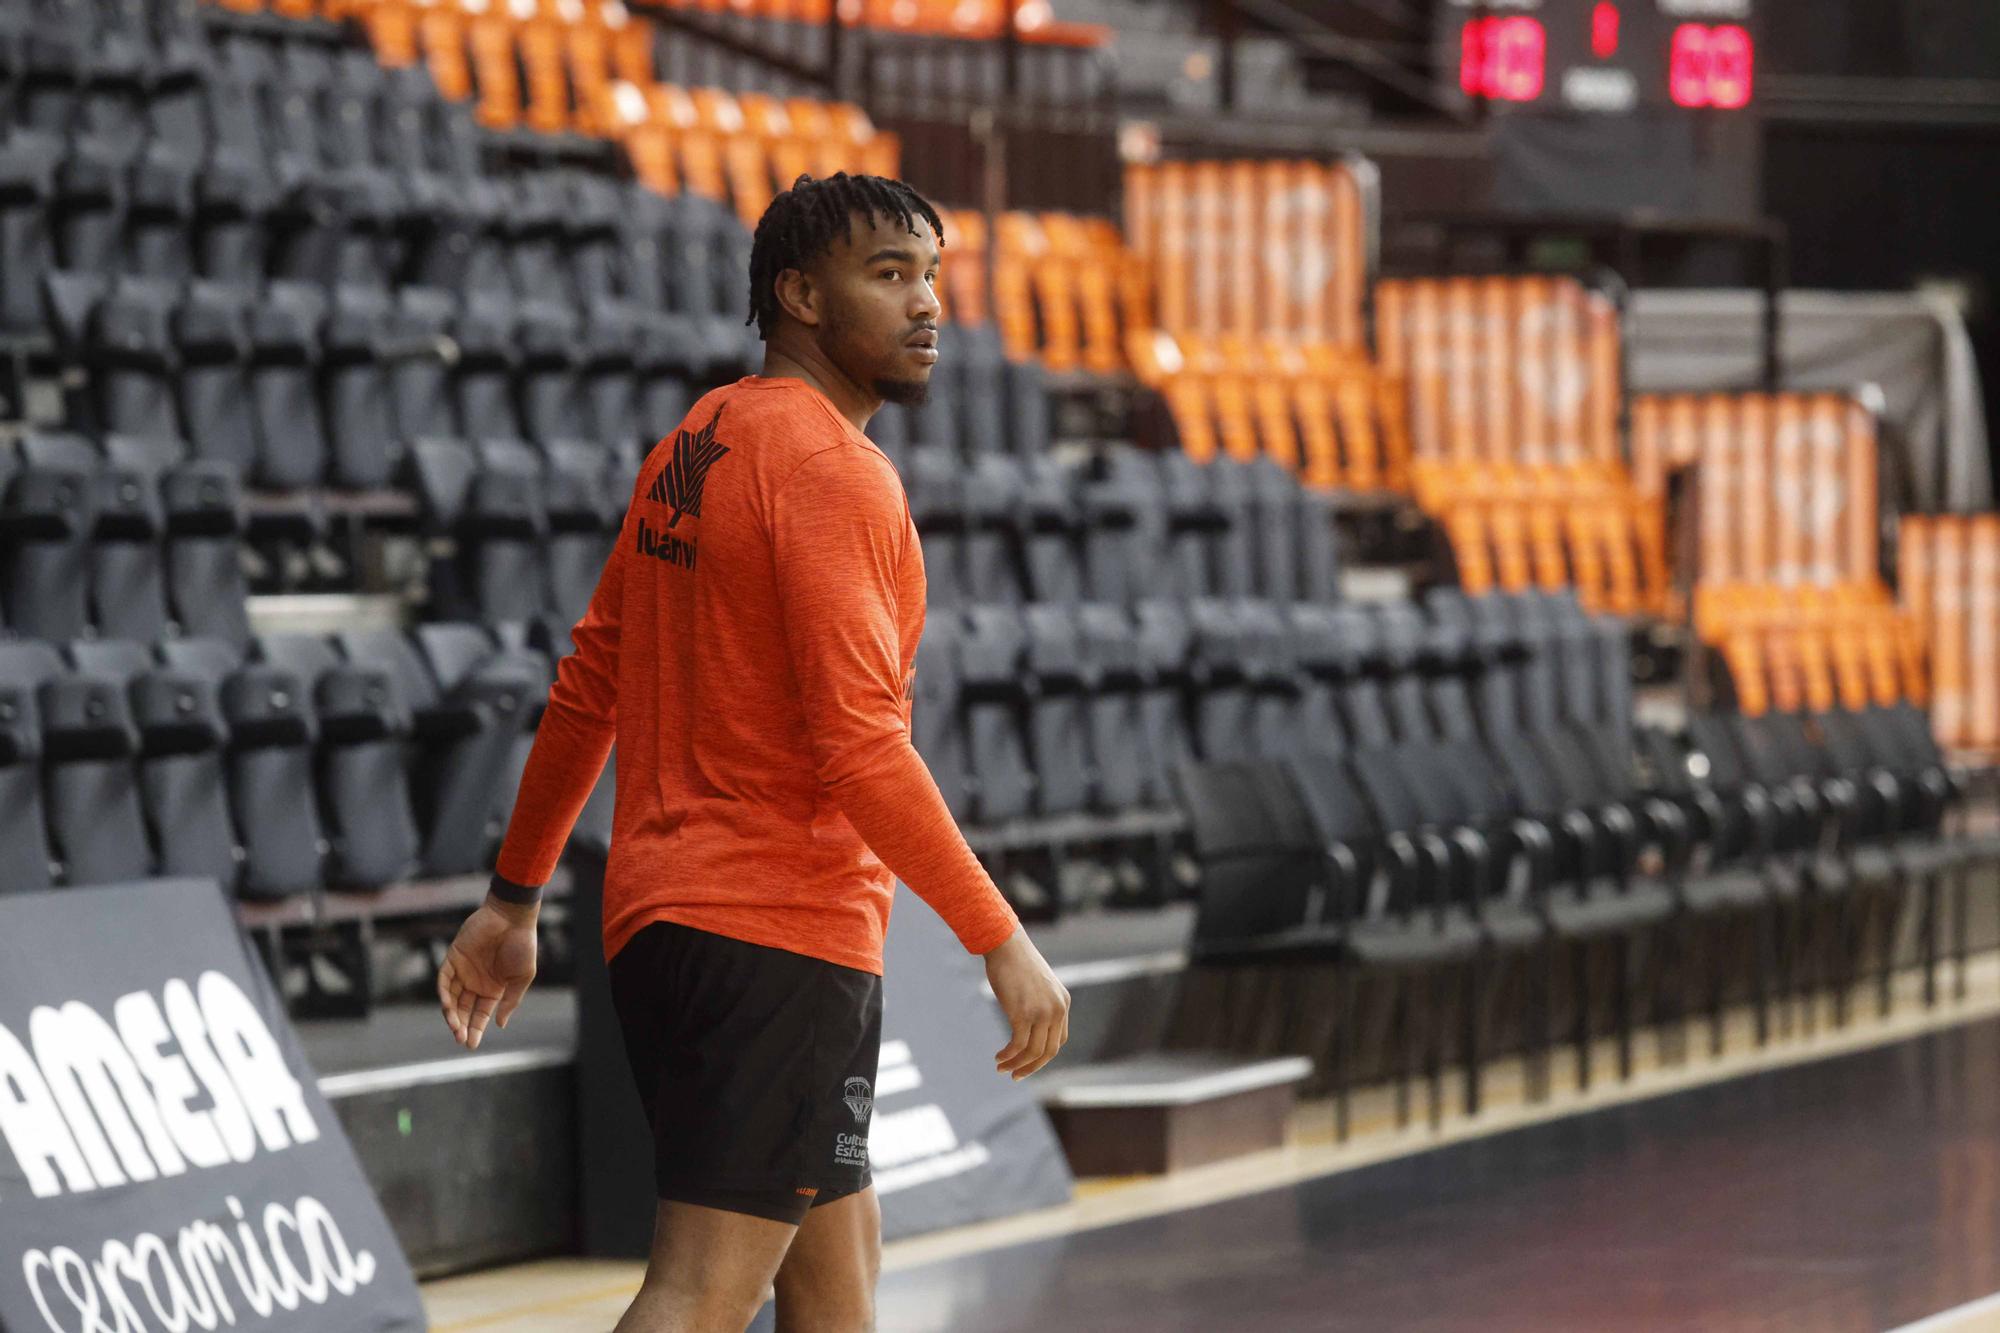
{"x":800,"y":226}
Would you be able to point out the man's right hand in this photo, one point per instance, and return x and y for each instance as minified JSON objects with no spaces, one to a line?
{"x":1036,"y":1005}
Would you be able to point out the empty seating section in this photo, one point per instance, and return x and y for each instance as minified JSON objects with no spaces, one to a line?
{"x":1514,"y":401}
{"x":1261,"y":349}
{"x":590,"y":67}
{"x":1949,"y":577}
{"x":1788,"y":587}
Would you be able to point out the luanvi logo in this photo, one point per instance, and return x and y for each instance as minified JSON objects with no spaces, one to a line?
{"x":680,"y":482}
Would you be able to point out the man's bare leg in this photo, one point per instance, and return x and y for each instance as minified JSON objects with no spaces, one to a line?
{"x":827,"y":1281}
{"x":709,"y":1270}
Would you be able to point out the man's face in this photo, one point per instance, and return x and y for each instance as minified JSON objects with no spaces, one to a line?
{"x":881,"y":308}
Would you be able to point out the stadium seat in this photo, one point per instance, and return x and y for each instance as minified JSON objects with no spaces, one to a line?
{"x":363,"y":788}
{"x":992,"y":647}
{"x":48,"y":504}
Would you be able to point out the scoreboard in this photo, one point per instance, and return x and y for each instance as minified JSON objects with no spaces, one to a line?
{"x":1602,"y":56}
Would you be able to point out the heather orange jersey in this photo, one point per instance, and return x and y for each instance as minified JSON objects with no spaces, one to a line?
{"x":751,"y":648}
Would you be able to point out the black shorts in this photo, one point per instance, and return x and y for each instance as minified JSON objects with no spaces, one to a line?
{"x":756,"y":1067}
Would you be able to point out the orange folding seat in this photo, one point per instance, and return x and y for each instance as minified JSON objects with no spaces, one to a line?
{"x":392,"y":30}
{"x":1546,"y":498}
{"x":1950,"y":642}
{"x":442,"y":33}
{"x":749,"y":171}
{"x":1513,"y":562}
{"x":1319,"y":437}
{"x":1460,"y":368}
{"x":1814,"y":651}
{"x":1848,"y":637}
{"x":1590,"y":524}
{"x":1360,"y":434}
{"x":1392,"y":414}
{"x":1983,"y":632}
{"x":1189,"y":404}
{"x":1392,"y":326}
{"x":1233,"y":415}
{"x":1465,"y":526}
{"x":702,"y":168}
{"x":1277,"y":431}
{"x":1492,"y":338}
{"x":1533,"y":353}
{"x":1606,"y":360}
{"x":542,"y":43}
{"x":1428,"y":408}
{"x":587,"y":56}
{"x":964,"y":269}
{"x":631,"y":48}
{"x":1014,"y":304}
{"x":1348,"y":251}
{"x":496,"y":70}
{"x":1647,"y":516}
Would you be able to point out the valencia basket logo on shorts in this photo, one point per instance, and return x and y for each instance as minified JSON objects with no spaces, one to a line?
{"x":680,"y":482}
{"x":859,"y":1097}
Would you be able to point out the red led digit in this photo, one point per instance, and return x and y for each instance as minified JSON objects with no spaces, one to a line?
{"x":1523,"y":54}
{"x":1688,"y":75}
{"x":1604,"y":30}
{"x":1503,"y":58}
{"x":1731,"y":59}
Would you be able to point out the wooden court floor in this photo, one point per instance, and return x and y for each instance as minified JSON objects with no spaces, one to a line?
{"x":1846,"y":1180}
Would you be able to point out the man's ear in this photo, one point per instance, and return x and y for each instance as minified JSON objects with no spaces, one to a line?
{"x":798,"y":297}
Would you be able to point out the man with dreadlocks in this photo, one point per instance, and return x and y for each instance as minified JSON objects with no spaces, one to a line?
{"x":750,"y":648}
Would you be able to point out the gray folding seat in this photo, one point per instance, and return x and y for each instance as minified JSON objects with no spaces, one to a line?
{"x":890,"y":429}
{"x":701,"y":282}
{"x":1057,"y":710}
{"x":1113,"y":675}
{"x":205,"y":586}
{"x":159,"y":214}
{"x":272,"y":798}
{"x":1111,"y":499}
{"x":1222,"y":687}
{"x":609,"y":363}
{"x":290,"y":81}
{"x":642,"y":221}
{"x":406,"y":106}
{"x":211,"y":333}
{"x":992,"y":647}
{"x":1319,"y":547}
{"x":464,"y":723}
{"x":232,"y":195}
{"x":49,"y":79}
{"x":510,"y":652}
{"x":28,"y":164}
{"x":365,"y":448}
{"x":484,"y":375}
{"x":183,"y":781}
{"x":1401,"y":638}
{"x":1277,"y":686}
{"x":982,"y":388}
{"x":419,"y":378}
{"x":350,"y":105}
{"x":1194,"y":517}
{"x":47,"y":513}
{"x":993,"y":486}
{"x":1165,"y":643}
{"x":1274,"y":530}
{"x":546,"y":338}
{"x":590,"y":238}
{"x":937,"y":726}
{"x":89,"y":206}
{"x":1232,"y":563}
{"x":451,"y":239}
{"x":363,"y":787}
{"x":96,"y":827}
{"x":531,"y":228}
{"x":1027,"y":393}
{"x":133,"y":355}
{"x":936,"y":487}
{"x":1322,"y":661}
{"x":284,"y":331}
{"x":127,"y":590}
{"x":1050,"y":528}
{"x":502,"y":533}
{"x":576,"y":482}
{"x":664,"y":363}
{"x":24,"y":840}
{"x":935,"y":422}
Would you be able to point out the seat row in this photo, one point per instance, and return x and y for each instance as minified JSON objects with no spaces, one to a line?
{"x":1127,"y":526}
{"x":1948,"y":573}
{"x":127,"y":539}
{"x":552,"y":235}
{"x":295,"y":388}
{"x":275,"y":767}
{"x":1472,"y":819}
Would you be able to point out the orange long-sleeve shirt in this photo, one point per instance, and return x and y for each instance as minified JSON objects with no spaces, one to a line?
{"x":751,"y":648}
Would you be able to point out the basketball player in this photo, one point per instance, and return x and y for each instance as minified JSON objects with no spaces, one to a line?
{"x":750,"y":647}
